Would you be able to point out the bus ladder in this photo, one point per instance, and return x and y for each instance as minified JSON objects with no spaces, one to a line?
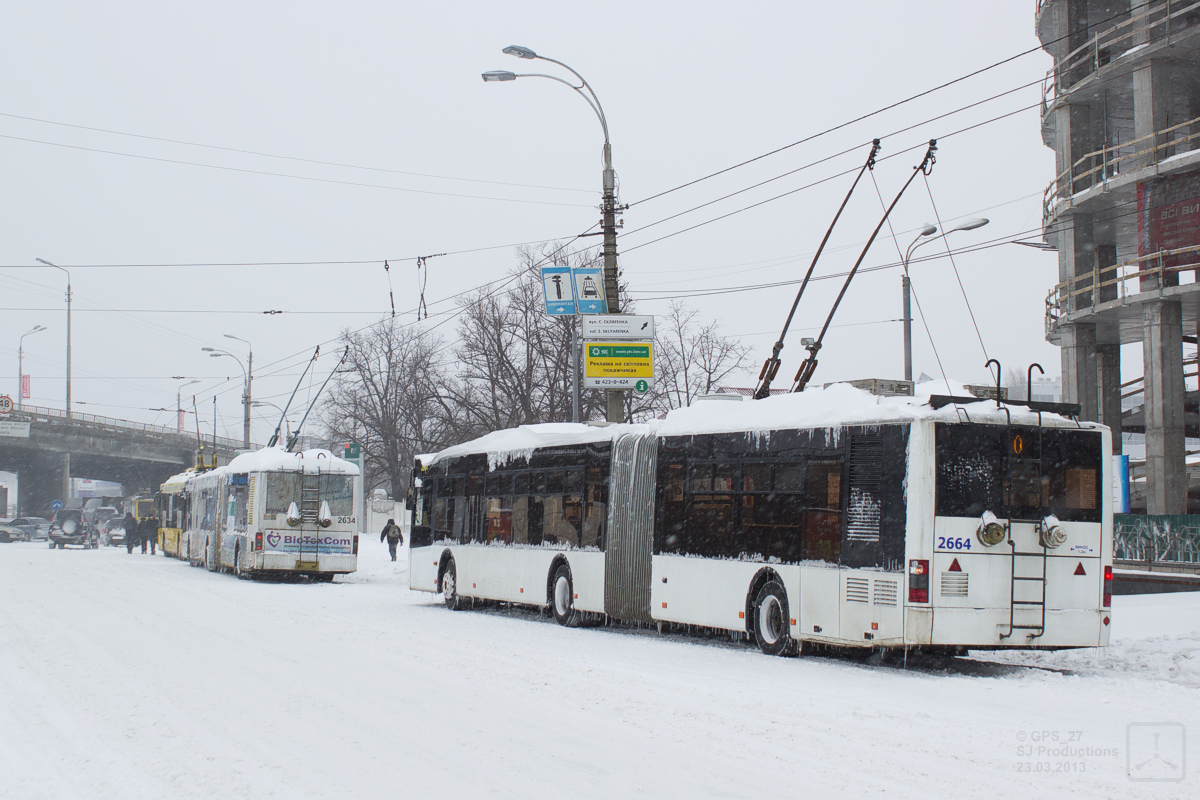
{"x":1039,"y":604}
{"x":310,"y":511}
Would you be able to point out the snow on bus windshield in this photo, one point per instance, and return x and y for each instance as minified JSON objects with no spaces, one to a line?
{"x":283,"y":489}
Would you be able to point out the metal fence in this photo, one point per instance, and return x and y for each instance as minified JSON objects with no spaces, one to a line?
{"x":35,"y":412}
{"x":1154,"y":538}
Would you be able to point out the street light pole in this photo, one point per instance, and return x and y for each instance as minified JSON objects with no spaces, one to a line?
{"x":215,"y":353}
{"x":21,"y":366}
{"x":615,"y":411}
{"x":246,"y":394}
{"x":179,"y":404}
{"x":906,"y":286}
{"x":64,"y":269}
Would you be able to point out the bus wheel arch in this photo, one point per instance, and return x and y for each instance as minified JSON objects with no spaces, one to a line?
{"x":761,"y":578}
{"x":772,"y":630}
{"x":448,"y":582}
{"x":560,"y":593}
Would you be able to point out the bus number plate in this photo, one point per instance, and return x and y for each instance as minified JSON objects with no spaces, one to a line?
{"x":954,"y":543}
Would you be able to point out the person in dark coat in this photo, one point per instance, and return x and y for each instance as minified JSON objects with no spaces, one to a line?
{"x":130,"y":524}
{"x":148,"y":529}
{"x":394,"y":537}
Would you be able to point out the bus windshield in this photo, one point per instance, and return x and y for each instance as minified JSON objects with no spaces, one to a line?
{"x":1018,"y":472}
{"x":283,"y":489}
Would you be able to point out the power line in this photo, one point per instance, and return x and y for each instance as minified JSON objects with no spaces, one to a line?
{"x":289,"y":158}
{"x":289,"y":175}
{"x":879,"y":111}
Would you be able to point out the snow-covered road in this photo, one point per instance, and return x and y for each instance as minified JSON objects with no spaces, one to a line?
{"x":137,"y":677}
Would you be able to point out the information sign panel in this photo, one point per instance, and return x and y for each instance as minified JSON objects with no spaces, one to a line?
{"x":559,"y":290}
{"x":618,"y":365}
{"x":618,"y":326}
{"x":19,"y":430}
{"x":589,"y":284}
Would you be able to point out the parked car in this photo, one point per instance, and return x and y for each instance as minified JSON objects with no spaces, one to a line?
{"x":98,"y":516}
{"x":8,"y":533}
{"x":112,"y":532}
{"x":70,"y":527}
{"x":34,"y":527}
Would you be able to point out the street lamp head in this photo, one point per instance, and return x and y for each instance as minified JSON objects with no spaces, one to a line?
{"x":518,"y":51}
{"x":44,"y":261}
{"x":969,"y":225}
{"x":928,"y":230}
{"x":215,"y":355}
{"x":498,"y":75}
{"x":207,"y":349}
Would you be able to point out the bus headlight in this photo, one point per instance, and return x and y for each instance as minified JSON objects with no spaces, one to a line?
{"x":1052,"y":534}
{"x":991,"y":530}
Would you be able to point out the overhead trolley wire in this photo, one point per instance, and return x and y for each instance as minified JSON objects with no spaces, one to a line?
{"x":288,"y":158}
{"x":881,"y":110}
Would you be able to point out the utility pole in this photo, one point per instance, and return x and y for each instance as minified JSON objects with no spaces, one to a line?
{"x":64,"y":269}
{"x":615,"y":405}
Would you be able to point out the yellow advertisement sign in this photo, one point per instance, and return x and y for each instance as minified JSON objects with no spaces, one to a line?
{"x":618,"y":365}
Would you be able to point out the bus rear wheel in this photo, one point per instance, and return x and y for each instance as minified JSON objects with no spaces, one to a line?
{"x":563,"y":598}
{"x":771,"y":628}
{"x":450,"y":587}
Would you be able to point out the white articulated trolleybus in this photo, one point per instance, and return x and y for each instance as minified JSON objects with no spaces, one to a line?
{"x":829,"y":516}
{"x":273,"y":512}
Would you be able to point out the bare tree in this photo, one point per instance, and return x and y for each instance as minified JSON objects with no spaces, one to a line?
{"x":392,"y":396}
{"x":693,"y":358}
{"x":514,"y":359}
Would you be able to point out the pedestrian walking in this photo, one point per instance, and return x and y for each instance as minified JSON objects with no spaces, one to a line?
{"x":130,"y":524}
{"x":149,"y":534}
{"x":394,"y":537}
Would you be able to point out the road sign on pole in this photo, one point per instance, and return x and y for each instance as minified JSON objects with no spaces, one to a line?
{"x":56,"y":505}
{"x":618,"y":365}
{"x":589,"y":283}
{"x":618,"y":326}
{"x":559,"y":290}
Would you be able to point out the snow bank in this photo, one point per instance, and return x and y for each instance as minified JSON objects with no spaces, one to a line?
{"x":513,"y":444}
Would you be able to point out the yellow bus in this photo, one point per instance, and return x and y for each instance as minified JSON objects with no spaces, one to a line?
{"x":171,"y":504}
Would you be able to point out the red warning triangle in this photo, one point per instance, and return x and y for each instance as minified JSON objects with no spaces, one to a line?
{"x":1079,"y":569}
{"x":954,"y":567}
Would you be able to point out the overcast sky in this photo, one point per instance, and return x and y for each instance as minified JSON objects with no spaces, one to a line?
{"x":168,"y":243}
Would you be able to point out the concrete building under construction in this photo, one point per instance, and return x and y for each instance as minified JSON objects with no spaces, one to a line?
{"x":1122,"y":112}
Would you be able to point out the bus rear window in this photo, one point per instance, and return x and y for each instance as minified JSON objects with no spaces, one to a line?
{"x":1018,"y":472}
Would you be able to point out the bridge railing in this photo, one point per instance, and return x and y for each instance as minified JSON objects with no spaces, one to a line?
{"x":122,"y":425}
{"x":1157,"y":539}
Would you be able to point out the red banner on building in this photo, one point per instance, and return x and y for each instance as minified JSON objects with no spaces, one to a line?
{"x":1169,"y":219}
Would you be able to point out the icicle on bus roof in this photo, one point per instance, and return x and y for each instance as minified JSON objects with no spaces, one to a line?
{"x":834,"y":406}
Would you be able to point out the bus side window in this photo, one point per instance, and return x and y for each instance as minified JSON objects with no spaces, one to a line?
{"x":597,"y":509}
{"x":823,"y":512}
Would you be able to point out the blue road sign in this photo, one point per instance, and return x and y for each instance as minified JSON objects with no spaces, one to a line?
{"x":559,"y":290}
{"x":56,"y":505}
{"x":589,"y":284}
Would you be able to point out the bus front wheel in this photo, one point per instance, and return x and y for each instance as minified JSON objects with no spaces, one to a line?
{"x":771,"y":620}
{"x":450,"y":587}
{"x":564,"y":598}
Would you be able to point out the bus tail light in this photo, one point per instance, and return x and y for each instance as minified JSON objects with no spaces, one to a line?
{"x":918,"y":581}
{"x":356,"y":544}
{"x":1108,"y":587}
{"x":258,"y":541}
